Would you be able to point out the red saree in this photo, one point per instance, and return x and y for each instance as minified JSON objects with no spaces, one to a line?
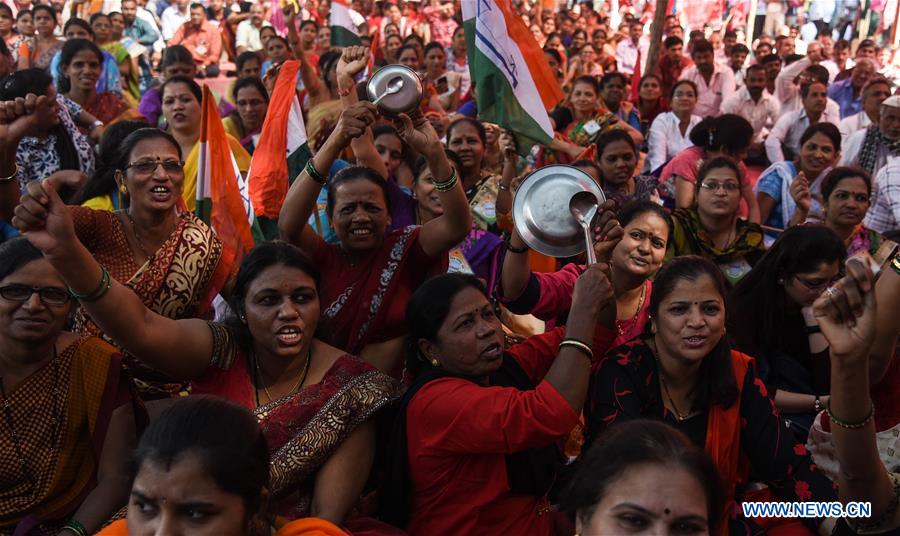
{"x":366,"y":303}
{"x":179,"y":281}
{"x":60,"y":414}
{"x":305,"y":428}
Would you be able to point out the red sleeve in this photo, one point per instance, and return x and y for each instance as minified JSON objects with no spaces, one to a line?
{"x":556,"y":291}
{"x":458,"y":416}
{"x":536,"y":354}
{"x":88,"y":224}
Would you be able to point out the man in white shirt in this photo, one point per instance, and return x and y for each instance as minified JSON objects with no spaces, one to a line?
{"x":801,"y":72}
{"x":633,"y":49}
{"x":754,"y":104}
{"x":875,"y":93}
{"x":174,"y":17}
{"x":715,"y":83}
{"x":247,"y":35}
{"x":871,"y":149}
{"x":786,"y":134}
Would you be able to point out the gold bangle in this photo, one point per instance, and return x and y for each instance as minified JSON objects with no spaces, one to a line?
{"x":15,"y":174}
{"x":578,"y":345}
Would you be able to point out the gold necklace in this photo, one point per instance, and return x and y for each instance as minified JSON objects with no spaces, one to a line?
{"x":137,"y":236}
{"x":293,"y":389}
{"x":636,"y":313}
{"x":681,"y":417}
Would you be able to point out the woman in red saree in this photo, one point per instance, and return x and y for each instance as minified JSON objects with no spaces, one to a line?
{"x":684,"y":373}
{"x":369,"y":276}
{"x":67,"y":420}
{"x":313,"y":401}
{"x":171,"y":259}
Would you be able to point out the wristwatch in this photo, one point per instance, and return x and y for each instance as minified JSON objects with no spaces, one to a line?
{"x":818,"y":404}
{"x":95,"y":124}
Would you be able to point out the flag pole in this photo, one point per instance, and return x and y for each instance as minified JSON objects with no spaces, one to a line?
{"x":656,"y":29}
{"x":751,"y":24}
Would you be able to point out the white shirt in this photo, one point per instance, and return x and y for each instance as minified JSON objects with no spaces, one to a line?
{"x":627,"y":54}
{"x":247,"y":35}
{"x":854,"y":123}
{"x":710,"y":97}
{"x":788,"y":131}
{"x":762,"y":115}
{"x":665,"y":139}
{"x":171,"y":20}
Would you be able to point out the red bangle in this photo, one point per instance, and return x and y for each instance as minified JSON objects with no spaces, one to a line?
{"x":344,"y":92}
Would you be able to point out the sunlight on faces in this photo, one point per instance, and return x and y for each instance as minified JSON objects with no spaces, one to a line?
{"x":159,"y":191}
{"x":281,"y":309}
{"x":723,"y":200}
{"x":32,"y":321}
{"x":584,"y":99}
{"x":470,"y":340}
{"x":467,"y":144}
{"x":360,"y":215}
{"x":182,"y":499}
{"x":650,"y":499}
{"x":690,"y":321}
{"x":817,"y":154}
{"x":83,"y":71}
{"x":643,"y":245}
{"x":180,"y":107}
{"x":617,"y":163}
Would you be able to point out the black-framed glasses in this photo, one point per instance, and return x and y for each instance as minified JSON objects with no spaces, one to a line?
{"x":23,"y":293}
{"x":147,"y":167}
{"x":818,"y":284}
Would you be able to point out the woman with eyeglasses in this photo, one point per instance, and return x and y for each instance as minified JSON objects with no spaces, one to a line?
{"x":846,"y":192}
{"x":171,"y":259}
{"x":771,"y":319}
{"x":67,"y":424}
{"x":712,"y":228}
{"x":251,"y":101}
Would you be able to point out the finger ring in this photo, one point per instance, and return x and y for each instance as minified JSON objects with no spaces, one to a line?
{"x":831,"y":291}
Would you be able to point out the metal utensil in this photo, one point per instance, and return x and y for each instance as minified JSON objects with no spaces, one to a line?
{"x":394,"y":86}
{"x":583,"y":207}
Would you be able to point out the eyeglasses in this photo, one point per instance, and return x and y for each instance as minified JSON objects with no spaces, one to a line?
{"x":714,"y":186}
{"x":818,"y":284}
{"x":22,"y":293}
{"x":147,"y":167}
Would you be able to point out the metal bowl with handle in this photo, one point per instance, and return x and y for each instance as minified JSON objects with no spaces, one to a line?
{"x":395,"y":89}
{"x":541,"y":210}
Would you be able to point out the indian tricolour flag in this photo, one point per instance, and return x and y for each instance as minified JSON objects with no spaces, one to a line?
{"x":223,"y":198}
{"x":282,"y":150}
{"x":514,"y":84}
{"x":343,"y":31}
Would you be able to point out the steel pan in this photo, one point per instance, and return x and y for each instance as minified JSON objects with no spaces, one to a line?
{"x":541,"y":210}
{"x":404,"y":101}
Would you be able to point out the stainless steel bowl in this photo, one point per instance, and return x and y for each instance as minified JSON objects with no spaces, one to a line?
{"x":404,"y":101}
{"x":541,"y":210}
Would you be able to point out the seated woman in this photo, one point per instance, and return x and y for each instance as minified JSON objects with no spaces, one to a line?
{"x":670,"y":132}
{"x":251,"y":101}
{"x":789,"y":192}
{"x":176,"y":61}
{"x":101,"y":192}
{"x":475,"y":448}
{"x":213,"y":452}
{"x":645,"y":476}
{"x":36,"y":52}
{"x":80,"y":67}
{"x":369,"y":276}
{"x":634,"y":251}
{"x":68,"y":423}
{"x":771,"y":320}
{"x":313,"y":401}
{"x":846,"y":193}
{"x":47,"y":139}
{"x":617,"y":160}
{"x":726,"y":135}
{"x":171,"y":259}
{"x":181,"y":98}
{"x":110,"y":78}
{"x":858,"y":336}
{"x":584,"y":63}
{"x":127,"y":67}
{"x":684,"y":372}
{"x":712,"y":228}
{"x":650,"y":104}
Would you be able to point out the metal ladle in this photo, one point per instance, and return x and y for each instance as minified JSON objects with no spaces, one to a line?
{"x":394,"y":86}
{"x":583,"y":207}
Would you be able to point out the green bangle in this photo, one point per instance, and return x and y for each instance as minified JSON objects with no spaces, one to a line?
{"x":314,"y":173}
{"x":447,"y":185}
{"x":97,"y":293}
{"x":849,"y":425}
{"x":75,"y":526}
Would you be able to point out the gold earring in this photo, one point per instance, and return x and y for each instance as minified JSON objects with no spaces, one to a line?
{"x":434,"y":363}
{"x":123,"y":189}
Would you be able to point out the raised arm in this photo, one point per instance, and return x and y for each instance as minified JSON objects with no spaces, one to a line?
{"x":353,"y":61}
{"x":447,"y":230}
{"x":785,"y":87}
{"x":887,"y":321}
{"x":179,"y":348}
{"x":301,"y":198}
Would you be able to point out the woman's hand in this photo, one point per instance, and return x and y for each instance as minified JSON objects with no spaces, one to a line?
{"x":418,"y":133}
{"x":593,"y":290}
{"x":607,"y":232}
{"x":508,"y":145}
{"x":22,"y":116}
{"x":72,"y":178}
{"x":353,"y":61}
{"x":353,"y":122}
{"x":846,"y":312}
{"x":801,"y":193}
{"x":43,"y":217}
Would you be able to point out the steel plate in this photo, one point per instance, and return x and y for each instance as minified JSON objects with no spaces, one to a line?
{"x":404,"y":101}
{"x":541,"y":209}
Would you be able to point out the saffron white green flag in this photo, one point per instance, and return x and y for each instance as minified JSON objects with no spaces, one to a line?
{"x":514,"y":84}
{"x":343,"y":31}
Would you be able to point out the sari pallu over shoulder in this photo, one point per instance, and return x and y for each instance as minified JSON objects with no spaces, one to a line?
{"x":64,"y":462}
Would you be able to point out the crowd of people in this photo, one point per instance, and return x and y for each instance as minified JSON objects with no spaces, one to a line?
{"x":392,"y":357}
